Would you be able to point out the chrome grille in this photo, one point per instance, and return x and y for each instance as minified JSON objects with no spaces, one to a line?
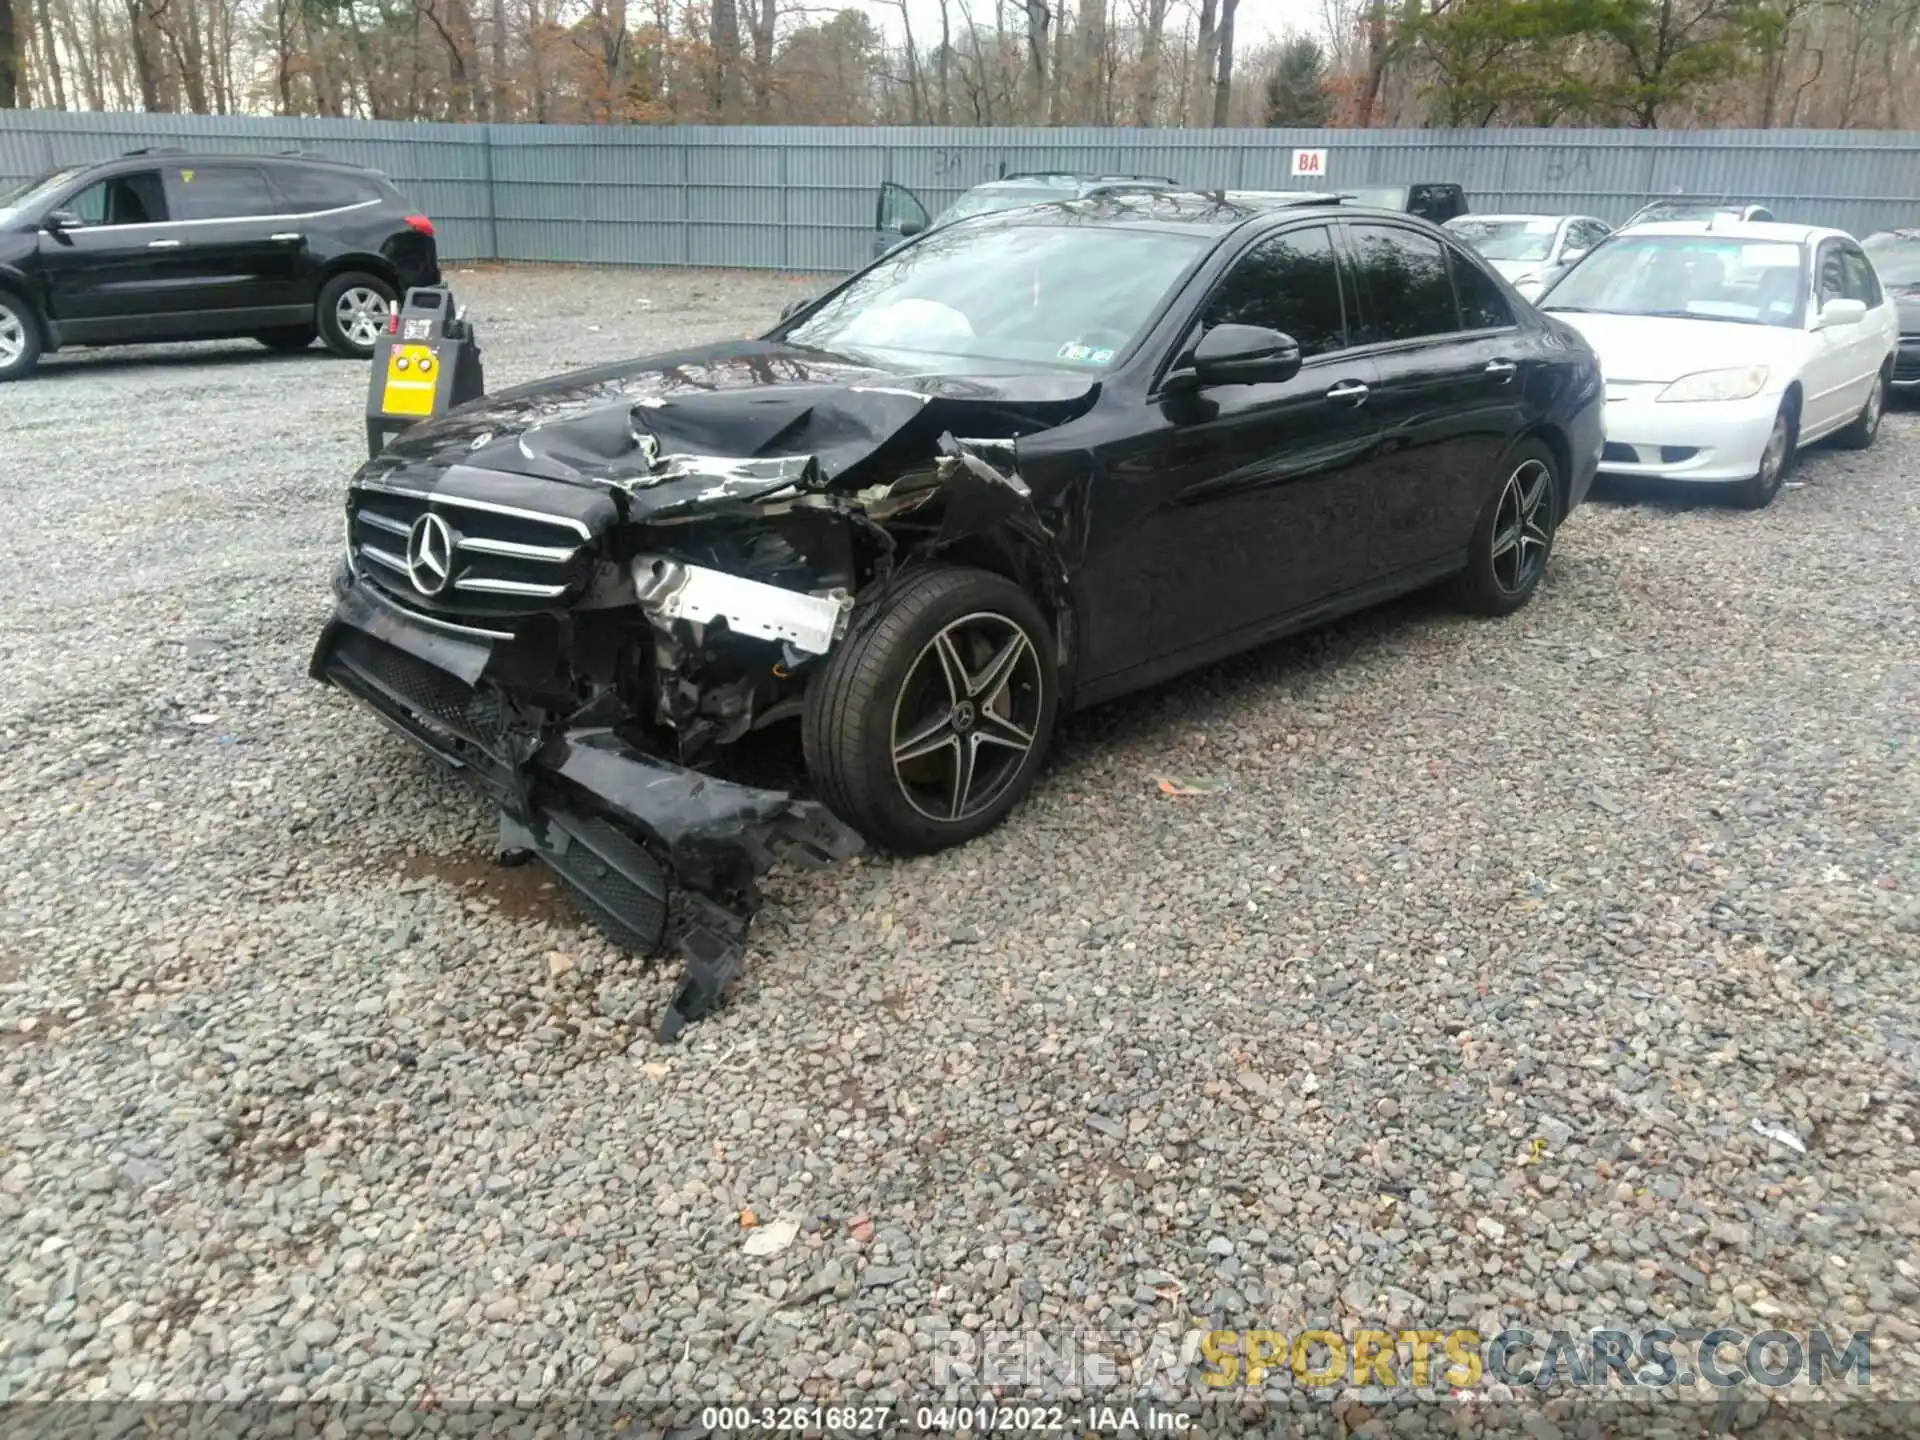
{"x":506,"y":560}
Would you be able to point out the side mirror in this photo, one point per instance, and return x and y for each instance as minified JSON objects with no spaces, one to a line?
{"x":910,"y":228}
{"x":58,"y":220}
{"x":1245,"y":355}
{"x":1842,"y":312}
{"x":794,"y":307}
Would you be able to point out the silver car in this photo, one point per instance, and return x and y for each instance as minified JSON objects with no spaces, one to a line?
{"x":1530,"y":251}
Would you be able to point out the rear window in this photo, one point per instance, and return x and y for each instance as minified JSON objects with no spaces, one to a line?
{"x":308,"y":189}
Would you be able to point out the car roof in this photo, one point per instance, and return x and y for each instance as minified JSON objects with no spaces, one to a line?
{"x":171,"y":156}
{"x":1036,"y":179}
{"x":1741,"y":230}
{"x":1899,"y":232}
{"x":1517,"y":215}
{"x":1174,"y":211}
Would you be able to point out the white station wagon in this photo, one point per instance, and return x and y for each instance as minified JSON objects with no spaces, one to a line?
{"x":1727,"y":346}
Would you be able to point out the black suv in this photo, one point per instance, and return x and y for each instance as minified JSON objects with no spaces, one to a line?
{"x":166,"y":245}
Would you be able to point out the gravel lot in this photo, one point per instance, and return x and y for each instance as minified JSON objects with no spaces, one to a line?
{"x":1458,"y":1004}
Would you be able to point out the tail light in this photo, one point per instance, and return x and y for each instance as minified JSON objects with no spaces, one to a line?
{"x":420,"y":223}
{"x":393,"y":322}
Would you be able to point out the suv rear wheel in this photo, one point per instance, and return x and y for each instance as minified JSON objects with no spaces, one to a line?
{"x":19,"y":337}
{"x":352,"y":311}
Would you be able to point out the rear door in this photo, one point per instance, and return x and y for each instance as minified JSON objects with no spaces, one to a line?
{"x":108,"y":279}
{"x":240,"y":255}
{"x":1449,"y":395}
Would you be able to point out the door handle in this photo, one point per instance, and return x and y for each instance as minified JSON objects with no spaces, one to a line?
{"x":1501,"y":371}
{"x":1348,"y":392}
{"x":163,"y":244}
{"x":287,"y":236}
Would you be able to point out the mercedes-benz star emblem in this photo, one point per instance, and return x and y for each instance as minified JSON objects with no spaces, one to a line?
{"x":429,"y":554}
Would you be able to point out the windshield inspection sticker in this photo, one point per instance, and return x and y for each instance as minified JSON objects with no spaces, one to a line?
{"x":1073,"y":351}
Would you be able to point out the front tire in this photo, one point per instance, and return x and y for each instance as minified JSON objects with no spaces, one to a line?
{"x":931,"y":720}
{"x":1866,"y":425}
{"x":1511,"y":543}
{"x":19,"y":338}
{"x":352,"y":311}
{"x":1759,"y":491}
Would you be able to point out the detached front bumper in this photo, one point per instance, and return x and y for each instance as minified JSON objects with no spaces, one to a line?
{"x":1713,"y":441}
{"x":609,"y":820}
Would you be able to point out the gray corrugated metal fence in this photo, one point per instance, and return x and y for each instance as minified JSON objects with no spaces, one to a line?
{"x":794,"y":198}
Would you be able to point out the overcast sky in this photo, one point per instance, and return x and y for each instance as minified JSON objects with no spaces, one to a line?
{"x":1254,"y":21}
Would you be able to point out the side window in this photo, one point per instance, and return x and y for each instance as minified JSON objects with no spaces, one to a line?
{"x":1289,"y":283}
{"x":1404,"y":276}
{"x":1860,"y":282}
{"x":1482,"y":306}
{"x":1833,"y":274}
{"x":135,"y":199}
{"x":1585,"y":234}
{"x":306,"y":190}
{"x":223,"y":192}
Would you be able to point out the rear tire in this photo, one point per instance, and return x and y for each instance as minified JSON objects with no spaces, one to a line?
{"x":19,"y":338}
{"x":1758,"y":492}
{"x":1514,"y":537}
{"x":352,"y":311}
{"x":288,"y":341}
{"x":1866,"y":425}
{"x":930,"y":722}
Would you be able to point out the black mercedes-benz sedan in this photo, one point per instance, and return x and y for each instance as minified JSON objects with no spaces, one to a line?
{"x":1021,"y":464}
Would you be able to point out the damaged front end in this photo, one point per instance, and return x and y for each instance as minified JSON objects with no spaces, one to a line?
{"x":567,"y":604}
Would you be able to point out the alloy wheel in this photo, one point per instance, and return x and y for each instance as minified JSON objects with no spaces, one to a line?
{"x":1876,"y":403}
{"x":1522,"y":526}
{"x":13,"y":336}
{"x":361,"y":314}
{"x":967,"y":717}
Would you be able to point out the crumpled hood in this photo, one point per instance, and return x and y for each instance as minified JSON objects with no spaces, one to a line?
{"x":1652,"y":350}
{"x":1908,"y":303}
{"x":732,"y":422}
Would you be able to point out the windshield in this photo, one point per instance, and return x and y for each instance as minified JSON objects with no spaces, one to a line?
{"x":990,"y":201}
{"x":1897,"y":258}
{"x":1041,"y":295}
{"x":1688,"y":277}
{"x":1387,"y":197}
{"x":1508,"y":239}
{"x":17,"y":200}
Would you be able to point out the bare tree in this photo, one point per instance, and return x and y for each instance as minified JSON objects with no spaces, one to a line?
{"x":1223,"y":75}
{"x":1039,"y":17}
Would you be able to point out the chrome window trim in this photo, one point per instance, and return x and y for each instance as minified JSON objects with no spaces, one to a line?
{"x":276,"y":217}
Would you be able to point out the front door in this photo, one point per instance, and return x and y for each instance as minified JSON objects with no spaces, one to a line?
{"x":1239,"y":503}
{"x":108,"y":277}
{"x":898,"y":215}
{"x":1449,"y":397}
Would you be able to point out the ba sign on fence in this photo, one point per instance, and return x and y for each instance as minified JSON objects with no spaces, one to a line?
{"x":1309,"y":162}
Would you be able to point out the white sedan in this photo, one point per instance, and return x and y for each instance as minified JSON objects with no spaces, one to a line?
{"x":1727,"y":346}
{"x":1530,"y":250}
